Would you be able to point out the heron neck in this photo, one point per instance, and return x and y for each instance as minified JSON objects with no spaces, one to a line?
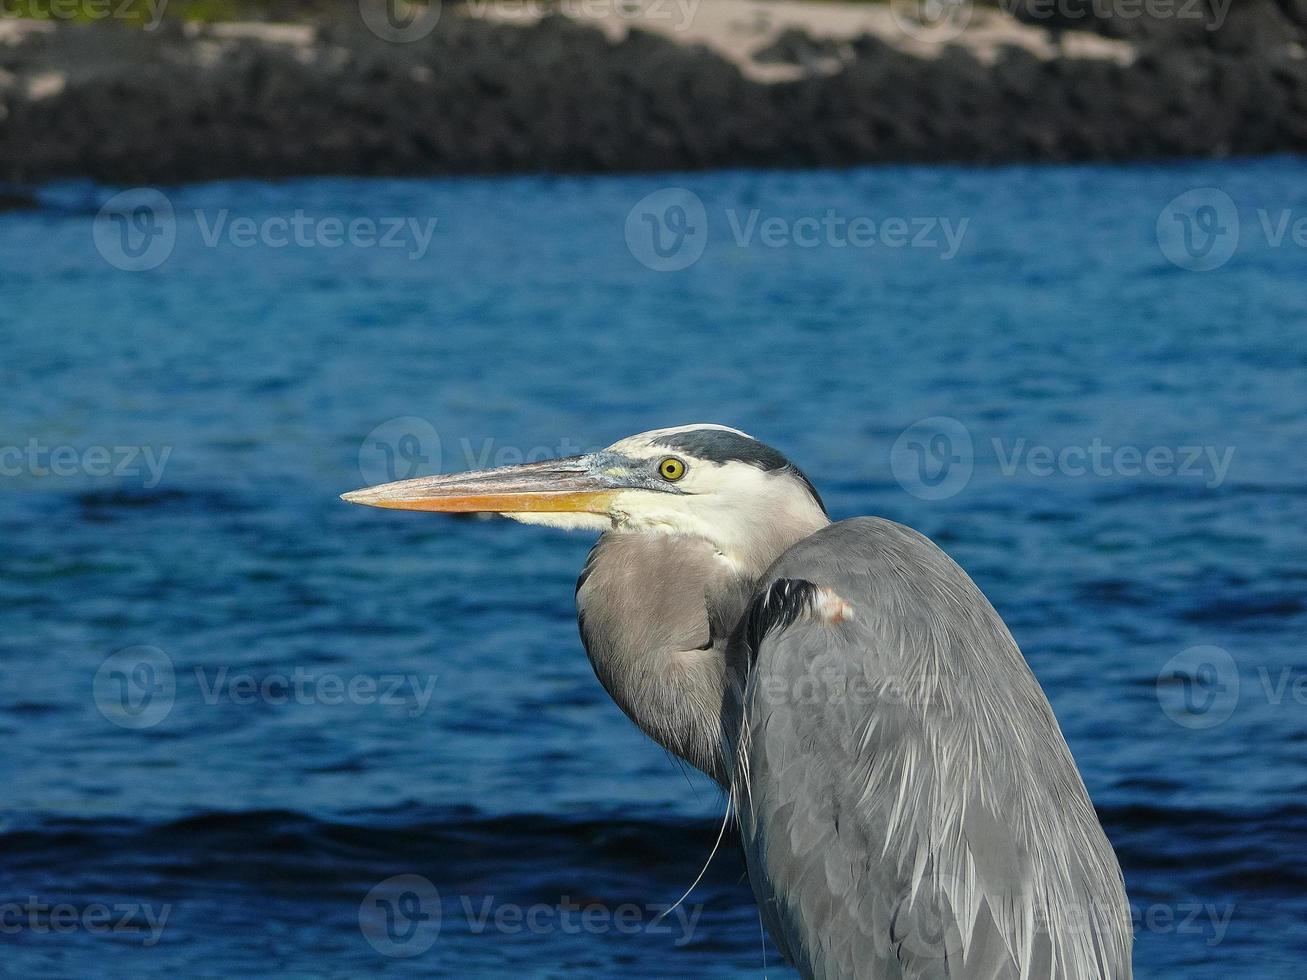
{"x":656,"y":614}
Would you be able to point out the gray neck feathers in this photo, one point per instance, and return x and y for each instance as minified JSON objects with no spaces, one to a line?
{"x":656,"y":614}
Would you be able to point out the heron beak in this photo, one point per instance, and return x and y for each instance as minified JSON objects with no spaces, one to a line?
{"x":572,"y":484}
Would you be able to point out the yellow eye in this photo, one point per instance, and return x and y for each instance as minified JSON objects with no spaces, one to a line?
{"x":671,"y":469}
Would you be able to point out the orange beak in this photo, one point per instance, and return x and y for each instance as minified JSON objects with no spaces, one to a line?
{"x":571,"y":484}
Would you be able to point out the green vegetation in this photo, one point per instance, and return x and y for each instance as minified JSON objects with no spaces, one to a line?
{"x":144,"y":13}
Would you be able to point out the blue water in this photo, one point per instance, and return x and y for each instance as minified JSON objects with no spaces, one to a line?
{"x":255,"y":811}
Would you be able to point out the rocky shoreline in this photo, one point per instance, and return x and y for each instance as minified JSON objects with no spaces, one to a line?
{"x":554,"y":93}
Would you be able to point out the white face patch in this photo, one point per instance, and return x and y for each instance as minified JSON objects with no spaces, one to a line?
{"x":735,"y":493}
{"x":563,"y":520}
{"x":746,"y":512}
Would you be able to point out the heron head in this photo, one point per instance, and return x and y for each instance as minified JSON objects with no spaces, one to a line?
{"x":704,"y":480}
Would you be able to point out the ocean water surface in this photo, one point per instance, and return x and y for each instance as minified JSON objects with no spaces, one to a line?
{"x":267,"y":733}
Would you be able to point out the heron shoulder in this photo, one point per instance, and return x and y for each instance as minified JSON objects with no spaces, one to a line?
{"x":861,"y":546}
{"x":907,"y":735}
{"x":913,"y":624}
{"x":898,"y":583}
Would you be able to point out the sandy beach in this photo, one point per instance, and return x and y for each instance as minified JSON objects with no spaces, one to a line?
{"x":746,"y":32}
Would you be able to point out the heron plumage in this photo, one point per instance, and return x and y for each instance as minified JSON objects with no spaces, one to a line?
{"x":908,"y":804}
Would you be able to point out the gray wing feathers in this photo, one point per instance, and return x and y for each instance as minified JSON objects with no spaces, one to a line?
{"x":908,"y":805}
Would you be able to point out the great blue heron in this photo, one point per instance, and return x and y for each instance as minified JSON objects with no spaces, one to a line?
{"x":907,"y":804}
